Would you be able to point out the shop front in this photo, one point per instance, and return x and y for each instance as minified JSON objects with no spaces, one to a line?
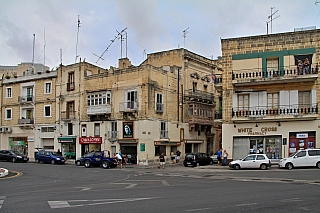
{"x":19,"y":145}
{"x":68,"y":146}
{"x":90,"y":144}
{"x":165,"y":147}
{"x":301,"y":140}
{"x":129,"y":147}
{"x":194,"y":146}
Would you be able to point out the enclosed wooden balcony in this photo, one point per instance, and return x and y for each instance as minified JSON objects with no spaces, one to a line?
{"x":199,"y":96}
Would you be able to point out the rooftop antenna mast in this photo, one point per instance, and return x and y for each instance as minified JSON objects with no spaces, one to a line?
{"x":271,"y":19}
{"x":100,"y":57}
{"x":185,"y":32}
{"x":44,"y":48}
{"x":32,"y":65}
{"x":122,"y":33}
{"x":77,"y":40}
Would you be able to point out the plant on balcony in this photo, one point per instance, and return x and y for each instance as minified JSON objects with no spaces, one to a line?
{"x":7,"y":76}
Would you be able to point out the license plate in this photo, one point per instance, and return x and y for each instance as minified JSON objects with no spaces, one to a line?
{"x":24,"y":158}
{"x":188,"y":163}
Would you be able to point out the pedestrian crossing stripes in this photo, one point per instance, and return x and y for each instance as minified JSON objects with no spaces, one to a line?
{"x":2,"y":200}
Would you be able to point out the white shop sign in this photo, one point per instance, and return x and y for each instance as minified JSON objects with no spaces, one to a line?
{"x":302,"y":135}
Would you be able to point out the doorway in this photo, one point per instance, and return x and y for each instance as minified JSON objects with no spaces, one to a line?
{"x":256,"y":146}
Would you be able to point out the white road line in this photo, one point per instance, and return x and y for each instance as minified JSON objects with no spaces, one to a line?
{"x":195,"y":210}
{"x":131,"y":186}
{"x":85,"y":188}
{"x":2,"y":200}
{"x":58,"y":204}
{"x":165,"y":183}
{"x":247,"y":204}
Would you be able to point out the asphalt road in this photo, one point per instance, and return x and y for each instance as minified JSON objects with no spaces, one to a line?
{"x":67,"y":188}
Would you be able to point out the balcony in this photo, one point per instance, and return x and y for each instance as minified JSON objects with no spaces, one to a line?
{"x":200,"y":114}
{"x":68,"y":115}
{"x":128,"y":106}
{"x":99,"y":109}
{"x":218,"y":81}
{"x":23,"y":121}
{"x":217,"y":116}
{"x":199,"y":96}
{"x":290,"y":112}
{"x":258,"y":76}
{"x":70,"y":86}
{"x":26,"y":99}
{"x":159,"y":108}
{"x":164,"y":134}
{"x":113,"y":135}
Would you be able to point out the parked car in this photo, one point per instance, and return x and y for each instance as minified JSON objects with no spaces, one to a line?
{"x":99,"y":159}
{"x":197,"y":159}
{"x":252,"y":161}
{"x":302,"y":158}
{"x":14,"y":156}
{"x":214,"y":157}
{"x":80,"y":161}
{"x":49,"y":157}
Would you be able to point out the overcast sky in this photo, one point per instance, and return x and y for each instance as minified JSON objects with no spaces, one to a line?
{"x":151,"y":26}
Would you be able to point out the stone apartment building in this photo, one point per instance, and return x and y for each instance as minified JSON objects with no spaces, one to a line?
{"x":271,"y":93}
{"x":28,"y":108}
{"x":139,"y":109}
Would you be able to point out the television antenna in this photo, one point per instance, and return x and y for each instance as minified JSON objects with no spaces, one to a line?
{"x":184,"y":36}
{"x":271,"y":19}
{"x":77,"y":39}
{"x":113,"y":40}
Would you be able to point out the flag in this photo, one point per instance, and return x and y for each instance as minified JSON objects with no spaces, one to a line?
{"x":212,"y":79}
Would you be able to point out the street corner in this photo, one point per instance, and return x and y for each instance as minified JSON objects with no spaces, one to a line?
{"x":5,"y":173}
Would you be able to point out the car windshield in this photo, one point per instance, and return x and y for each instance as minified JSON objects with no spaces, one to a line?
{"x":189,"y":155}
{"x":56,"y":154}
{"x":293,"y":154}
{"x":17,"y":152}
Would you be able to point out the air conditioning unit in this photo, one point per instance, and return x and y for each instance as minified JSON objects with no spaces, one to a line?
{"x":2,"y":129}
{"x":84,"y":131}
{"x":8,"y":129}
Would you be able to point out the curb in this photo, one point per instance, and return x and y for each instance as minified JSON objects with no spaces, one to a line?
{"x":3,"y":172}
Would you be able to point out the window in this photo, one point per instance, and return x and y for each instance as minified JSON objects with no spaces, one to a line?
{"x":314,"y":152}
{"x":9,"y":92}
{"x":29,"y":93}
{"x":301,"y":154}
{"x":205,"y":88}
{"x":95,"y":99}
{"x":132,"y":99}
{"x":96,"y":129}
{"x":47,"y":87}
{"x":159,"y":105}
{"x":273,"y":100}
{"x":70,"y":84}
{"x":29,"y":113}
{"x":243,"y":102}
{"x":47,"y":129}
{"x":114,"y":130}
{"x":194,"y":86}
{"x":250,"y":158}
{"x":260,"y":157}
{"x":273,"y":64}
{"x":163,"y":130}
{"x":8,"y":115}
{"x":70,"y":129}
{"x":47,"y":111}
{"x":304,"y":98}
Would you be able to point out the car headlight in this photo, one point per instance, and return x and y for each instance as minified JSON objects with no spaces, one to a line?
{"x":58,"y":158}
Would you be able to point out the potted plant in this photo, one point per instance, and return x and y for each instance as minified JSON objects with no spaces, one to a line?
{"x":7,"y":76}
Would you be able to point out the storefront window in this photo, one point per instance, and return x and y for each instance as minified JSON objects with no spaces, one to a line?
{"x":160,"y":149}
{"x":273,"y":148}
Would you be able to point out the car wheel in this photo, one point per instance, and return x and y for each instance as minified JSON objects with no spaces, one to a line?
{"x":78,"y":163}
{"x":197,"y":164}
{"x":185,"y":165}
{"x":87,"y":163}
{"x":237,"y":167}
{"x":105,"y":165}
{"x":14,"y":160}
{"x":318,"y":165}
{"x":263,"y":166}
{"x":289,"y":166}
{"x":211,"y":162}
{"x":52,"y":162}
{"x":37,"y":160}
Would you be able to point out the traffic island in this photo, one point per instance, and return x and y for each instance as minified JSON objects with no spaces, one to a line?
{"x":3,"y":172}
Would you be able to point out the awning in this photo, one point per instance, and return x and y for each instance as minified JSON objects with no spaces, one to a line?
{"x":67,"y":139}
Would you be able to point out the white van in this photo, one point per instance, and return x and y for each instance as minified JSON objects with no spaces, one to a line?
{"x":302,"y":158}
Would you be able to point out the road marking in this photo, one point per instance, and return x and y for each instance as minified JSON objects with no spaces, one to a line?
{"x":195,"y":210}
{"x":165,"y":183}
{"x":2,"y":200}
{"x":291,"y":200}
{"x":84,"y":188}
{"x":247,"y":204}
{"x":131,"y":185}
{"x":66,"y":204}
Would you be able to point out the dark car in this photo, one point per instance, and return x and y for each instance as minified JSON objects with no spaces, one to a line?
{"x":80,"y":161}
{"x":49,"y":157}
{"x":197,"y":159}
{"x":99,"y":159}
{"x":14,"y":156}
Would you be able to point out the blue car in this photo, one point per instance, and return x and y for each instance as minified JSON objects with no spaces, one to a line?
{"x":49,"y":157}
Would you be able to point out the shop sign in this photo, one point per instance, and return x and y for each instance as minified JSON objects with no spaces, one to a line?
{"x":167,"y":143}
{"x":263,"y":130}
{"x":302,"y":135}
{"x":90,"y":140}
{"x":142,"y":147}
{"x":127,"y":129}
{"x":30,"y":139}
{"x":16,"y":143}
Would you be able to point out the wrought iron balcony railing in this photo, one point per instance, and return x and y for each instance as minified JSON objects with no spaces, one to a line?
{"x":113,"y":135}
{"x":26,"y":121}
{"x":68,"y":115}
{"x":159,"y":107}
